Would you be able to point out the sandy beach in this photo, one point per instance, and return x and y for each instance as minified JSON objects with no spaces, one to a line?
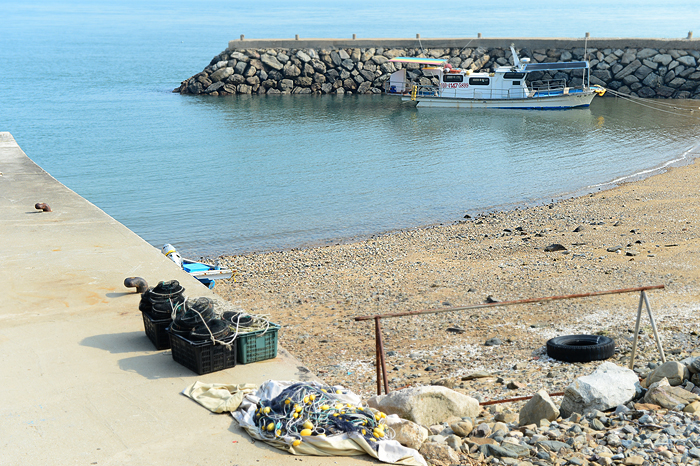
{"x":638,"y":234}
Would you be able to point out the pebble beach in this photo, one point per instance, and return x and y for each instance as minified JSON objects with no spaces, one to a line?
{"x":641,"y":233}
{"x":637,"y":234}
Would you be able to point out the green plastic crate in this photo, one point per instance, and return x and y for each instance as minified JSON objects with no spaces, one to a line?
{"x":258,"y":346}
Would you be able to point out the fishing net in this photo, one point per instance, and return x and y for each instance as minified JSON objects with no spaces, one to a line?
{"x":304,"y":410}
{"x":309,"y":418}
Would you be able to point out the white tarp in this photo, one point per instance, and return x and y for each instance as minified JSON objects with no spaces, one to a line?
{"x":245,"y":400}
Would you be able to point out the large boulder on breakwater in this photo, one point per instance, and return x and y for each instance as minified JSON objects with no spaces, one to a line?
{"x":221,"y":74}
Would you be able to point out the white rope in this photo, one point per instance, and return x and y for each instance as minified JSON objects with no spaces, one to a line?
{"x":470,"y":41}
{"x":262,"y":320}
{"x":655,"y":105}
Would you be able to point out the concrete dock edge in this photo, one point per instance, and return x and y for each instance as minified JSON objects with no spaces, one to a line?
{"x":82,"y":384}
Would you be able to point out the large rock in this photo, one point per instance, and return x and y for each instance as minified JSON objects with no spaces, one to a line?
{"x":291,"y":70}
{"x":195,"y":87}
{"x":214,"y":87}
{"x":286,"y":85}
{"x":406,"y":432}
{"x":646,"y":53}
{"x":439,"y":453}
{"x":629,"y":69}
{"x":222,"y":74}
{"x":662,"y":394}
{"x":364,"y":87}
{"x":505,"y":450}
{"x":537,"y":408}
{"x":303,"y":56}
{"x":426,"y":405}
{"x":271,"y":62}
{"x":235,"y":79}
{"x":693,"y":364}
{"x":687,"y":60}
{"x":675,"y":372}
{"x":663,"y":58}
{"x":609,"y":386}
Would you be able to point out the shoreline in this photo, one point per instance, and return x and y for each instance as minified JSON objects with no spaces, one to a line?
{"x":652,"y":227}
{"x":688,"y":157}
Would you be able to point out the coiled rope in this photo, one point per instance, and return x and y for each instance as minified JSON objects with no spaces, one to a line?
{"x":259,"y":322}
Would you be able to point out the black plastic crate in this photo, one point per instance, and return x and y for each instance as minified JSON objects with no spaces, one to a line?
{"x":202,"y":357}
{"x":156,"y":330}
{"x":258,"y":346}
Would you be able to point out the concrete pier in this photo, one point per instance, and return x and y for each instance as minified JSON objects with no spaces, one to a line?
{"x":81,"y":382}
{"x":464,"y":42}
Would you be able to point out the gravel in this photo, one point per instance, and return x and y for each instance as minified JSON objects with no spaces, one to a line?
{"x":315,"y":293}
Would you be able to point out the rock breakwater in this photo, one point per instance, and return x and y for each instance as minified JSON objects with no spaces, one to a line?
{"x":640,"y":72}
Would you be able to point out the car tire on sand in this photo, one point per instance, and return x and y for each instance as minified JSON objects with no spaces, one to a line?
{"x":580,"y":348}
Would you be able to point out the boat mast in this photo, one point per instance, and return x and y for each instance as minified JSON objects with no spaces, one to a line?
{"x":516,"y":60}
{"x":588,"y":67}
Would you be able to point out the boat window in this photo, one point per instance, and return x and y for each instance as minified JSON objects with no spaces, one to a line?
{"x":516,"y":83}
{"x":479,"y":81}
{"x":514,"y":75}
{"x":452,"y":78}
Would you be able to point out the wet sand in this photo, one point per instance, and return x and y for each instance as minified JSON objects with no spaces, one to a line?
{"x":641,"y":233}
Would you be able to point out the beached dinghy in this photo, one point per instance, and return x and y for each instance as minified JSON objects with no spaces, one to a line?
{"x":205,"y":273}
{"x":506,"y":87}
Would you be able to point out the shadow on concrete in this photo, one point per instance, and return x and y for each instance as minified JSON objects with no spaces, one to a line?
{"x":126,"y":342}
{"x":119,"y":295}
{"x":154,"y":366}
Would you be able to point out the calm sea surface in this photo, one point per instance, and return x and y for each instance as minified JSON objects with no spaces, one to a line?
{"x":85,"y":90}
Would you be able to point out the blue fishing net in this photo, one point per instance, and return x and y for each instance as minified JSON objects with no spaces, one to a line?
{"x":303,"y":410}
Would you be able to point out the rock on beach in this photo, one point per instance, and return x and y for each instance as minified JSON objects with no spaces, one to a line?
{"x":426,"y":405}
{"x":607,"y":387}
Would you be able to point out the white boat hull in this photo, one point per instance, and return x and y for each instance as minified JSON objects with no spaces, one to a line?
{"x":581,"y":99}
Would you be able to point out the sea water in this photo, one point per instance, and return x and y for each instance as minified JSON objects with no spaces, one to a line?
{"x":85,"y":90}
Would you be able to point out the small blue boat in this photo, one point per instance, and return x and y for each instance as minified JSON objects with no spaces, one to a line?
{"x":207,"y":274}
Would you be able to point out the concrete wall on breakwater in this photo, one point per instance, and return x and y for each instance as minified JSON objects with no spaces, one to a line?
{"x":663,"y":68}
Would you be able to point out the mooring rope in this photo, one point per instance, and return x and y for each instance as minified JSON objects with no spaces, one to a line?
{"x":656,"y":105}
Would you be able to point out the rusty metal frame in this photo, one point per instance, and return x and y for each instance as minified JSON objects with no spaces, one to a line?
{"x":379,"y":341}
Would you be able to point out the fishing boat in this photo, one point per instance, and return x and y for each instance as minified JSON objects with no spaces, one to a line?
{"x":207,"y":274}
{"x":506,"y":87}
